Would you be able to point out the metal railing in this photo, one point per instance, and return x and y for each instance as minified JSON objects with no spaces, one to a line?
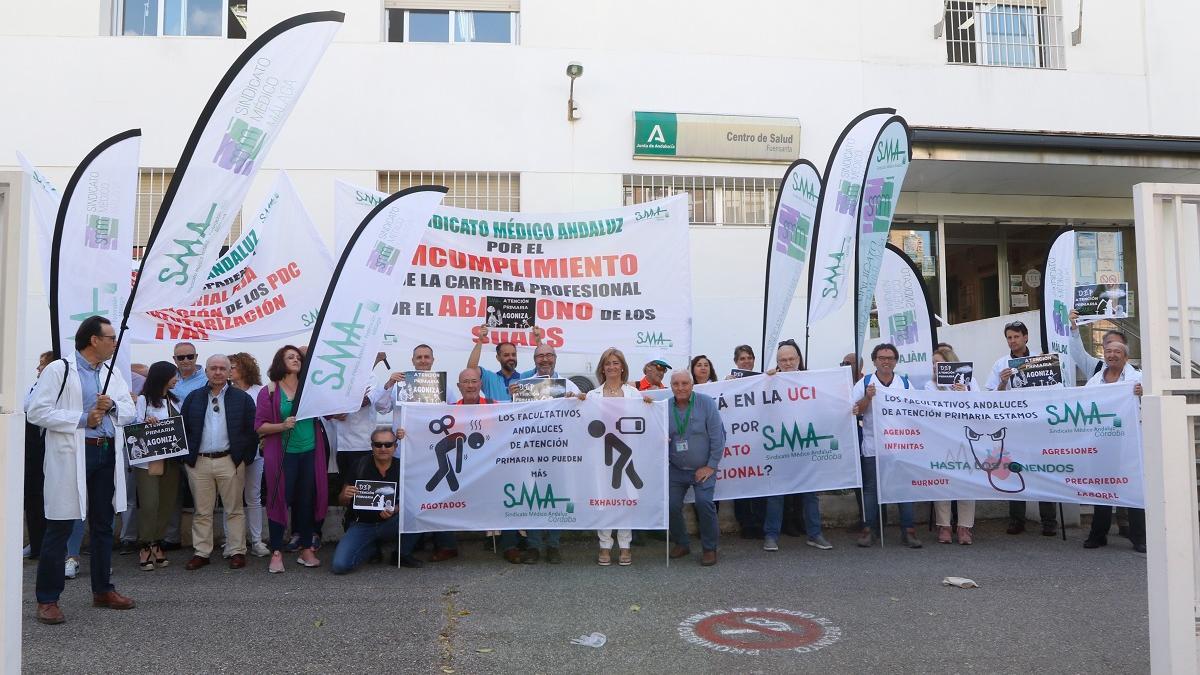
{"x":1017,"y":34}
{"x":483,"y":190}
{"x":714,"y":200}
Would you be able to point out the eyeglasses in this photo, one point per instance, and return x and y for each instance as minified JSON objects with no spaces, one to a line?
{"x":379,"y":444}
{"x":216,"y":405}
{"x":185,"y":357}
{"x":879,"y":358}
{"x":107,"y":337}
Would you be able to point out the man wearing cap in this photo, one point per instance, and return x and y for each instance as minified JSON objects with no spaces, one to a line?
{"x":655,"y":371}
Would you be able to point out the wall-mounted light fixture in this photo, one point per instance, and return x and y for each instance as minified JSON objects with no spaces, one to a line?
{"x":574,"y":70}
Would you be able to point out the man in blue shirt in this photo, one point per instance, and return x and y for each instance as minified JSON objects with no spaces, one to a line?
{"x":495,"y":384}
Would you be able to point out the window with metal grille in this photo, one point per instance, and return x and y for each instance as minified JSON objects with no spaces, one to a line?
{"x":713,"y":200}
{"x":483,"y":190}
{"x":152,"y":186}
{"x":1019,"y":34}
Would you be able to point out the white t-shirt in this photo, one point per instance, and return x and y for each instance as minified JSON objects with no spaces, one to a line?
{"x":932,"y":385}
{"x":857,"y":394}
{"x":144,"y":410}
{"x":993,"y":381}
{"x":1128,"y":374}
{"x":627,"y":391}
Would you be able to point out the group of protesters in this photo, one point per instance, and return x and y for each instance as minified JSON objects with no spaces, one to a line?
{"x":247,"y":449}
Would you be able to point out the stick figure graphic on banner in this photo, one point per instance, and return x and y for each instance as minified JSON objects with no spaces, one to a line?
{"x":997,"y":466}
{"x":613,"y":442}
{"x":453,"y":442}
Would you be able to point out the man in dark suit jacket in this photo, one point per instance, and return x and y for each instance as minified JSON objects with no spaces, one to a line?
{"x":219,"y":420}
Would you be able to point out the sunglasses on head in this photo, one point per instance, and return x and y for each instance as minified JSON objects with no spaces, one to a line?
{"x":185,"y":357}
{"x":1015,"y":324}
{"x":383,"y":444}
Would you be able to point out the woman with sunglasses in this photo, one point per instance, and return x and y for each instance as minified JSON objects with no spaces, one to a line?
{"x":966,"y":507}
{"x":295,"y":456}
{"x":157,"y":481}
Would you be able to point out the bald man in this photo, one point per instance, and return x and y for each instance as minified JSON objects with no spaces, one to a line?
{"x":219,"y":420}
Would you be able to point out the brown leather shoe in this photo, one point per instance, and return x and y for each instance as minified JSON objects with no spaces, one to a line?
{"x":237,"y":561}
{"x":111,"y":600}
{"x":49,"y":613}
{"x":678,"y":551}
{"x":443,"y":554}
{"x":195,"y":563}
{"x":709,"y":558}
{"x":513,"y":555}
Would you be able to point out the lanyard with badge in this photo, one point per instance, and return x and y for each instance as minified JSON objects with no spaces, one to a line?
{"x":681,"y":444}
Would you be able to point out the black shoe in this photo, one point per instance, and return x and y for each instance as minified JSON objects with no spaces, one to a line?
{"x":409,"y":561}
{"x":128,"y":547}
{"x":171,"y":545}
{"x":1095,"y":543}
{"x":1015,"y":528}
{"x":1049,"y":530}
{"x":1140,"y":548}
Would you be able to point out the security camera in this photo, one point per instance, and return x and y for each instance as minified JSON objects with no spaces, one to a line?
{"x":574,"y":69}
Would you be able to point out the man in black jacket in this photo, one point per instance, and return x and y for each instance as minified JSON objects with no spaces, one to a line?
{"x":219,"y":420}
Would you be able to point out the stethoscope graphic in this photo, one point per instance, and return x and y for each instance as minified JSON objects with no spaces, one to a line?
{"x":989,"y":466}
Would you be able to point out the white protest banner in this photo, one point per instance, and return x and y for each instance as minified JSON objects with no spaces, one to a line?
{"x":93,"y":240}
{"x":882,"y":183}
{"x":45,"y":199}
{"x":784,"y":433}
{"x":788,"y":248}
{"x":241,"y":121}
{"x":1058,"y":297}
{"x":349,"y":329}
{"x":268,"y":286}
{"x":597,"y":276}
{"x":558,"y":464}
{"x":837,"y":214}
{"x":1079,"y":445}
{"x":905,"y":319}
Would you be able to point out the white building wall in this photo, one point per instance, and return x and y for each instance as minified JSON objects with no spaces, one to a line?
{"x":377,"y":106}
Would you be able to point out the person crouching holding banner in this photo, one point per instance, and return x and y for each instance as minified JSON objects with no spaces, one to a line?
{"x":966,"y":507}
{"x":1117,"y":369}
{"x":696,"y":443}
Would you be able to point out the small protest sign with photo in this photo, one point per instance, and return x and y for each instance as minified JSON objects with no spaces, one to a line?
{"x":422,"y":386}
{"x":1096,"y":302}
{"x":950,"y":373}
{"x":506,"y":312}
{"x":374,"y":495}
{"x":1035,"y":371}
{"x":145,"y":443}
{"x":539,"y":389}
{"x":738,"y":372}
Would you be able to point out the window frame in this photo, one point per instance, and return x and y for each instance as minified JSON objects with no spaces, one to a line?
{"x":118,"y":24}
{"x":970,"y":43}
{"x":714,"y":202}
{"x":514,"y":26}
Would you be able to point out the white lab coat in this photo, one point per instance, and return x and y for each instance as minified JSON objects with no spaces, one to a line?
{"x":66,"y":459}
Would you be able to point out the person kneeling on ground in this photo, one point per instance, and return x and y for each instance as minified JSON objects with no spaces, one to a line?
{"x":368,"y":529}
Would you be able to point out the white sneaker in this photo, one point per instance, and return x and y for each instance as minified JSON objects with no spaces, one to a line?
{"x":26,"y":551}
{"x":260,"y":550}
{"x":72,"y":568}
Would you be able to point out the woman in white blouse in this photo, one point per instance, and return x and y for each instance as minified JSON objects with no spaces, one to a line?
{"x":157,"y":481}
{"x":613,"y":375}
{"x":966,"y":507}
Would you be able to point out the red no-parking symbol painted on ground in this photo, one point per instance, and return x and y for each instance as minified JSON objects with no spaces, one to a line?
{"x":749,"y":630}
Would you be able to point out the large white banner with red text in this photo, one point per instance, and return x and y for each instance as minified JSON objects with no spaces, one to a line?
{"x":617,"y":277}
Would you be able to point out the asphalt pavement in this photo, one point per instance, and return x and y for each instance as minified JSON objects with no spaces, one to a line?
{"x":1043,"y":605}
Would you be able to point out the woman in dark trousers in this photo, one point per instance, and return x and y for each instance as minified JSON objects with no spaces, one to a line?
{"x":294,"y":459}
{"x":35,"y":456}
{"x":158,"y":481}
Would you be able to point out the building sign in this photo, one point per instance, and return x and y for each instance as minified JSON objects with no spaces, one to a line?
{"x":662,"y":135}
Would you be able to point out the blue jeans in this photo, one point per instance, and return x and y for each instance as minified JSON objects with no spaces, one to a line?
{"x":300,"y":492}
{"x":359,"y":542}
{"x":773,"y":522}
{"x":75,"y":541}
{"x":508,"y":538}
{"x":99,"y":467}
{"x":679,"y":481}
{"x":870,"y":491}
